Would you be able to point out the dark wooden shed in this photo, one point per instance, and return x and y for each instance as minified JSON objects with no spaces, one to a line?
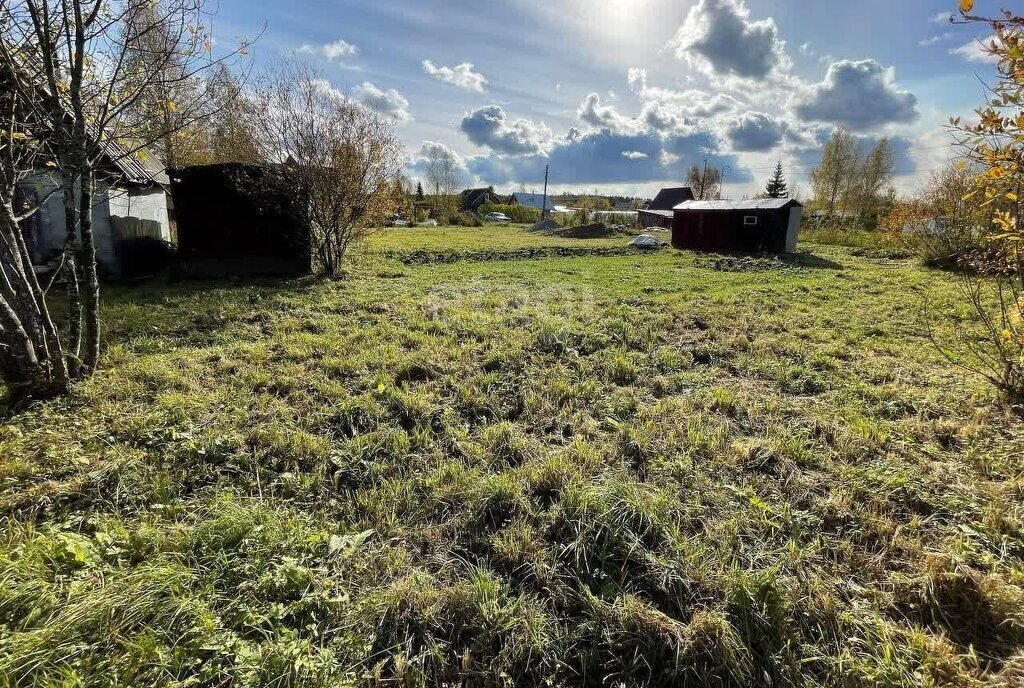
{"x":239,"y":220}
{"x":768,"y":225}
{"x":661,"y":210}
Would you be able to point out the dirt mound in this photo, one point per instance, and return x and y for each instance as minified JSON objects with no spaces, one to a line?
{"x":545,"y":226}
{"x":760,"y":263}
{"x":598,"y":230}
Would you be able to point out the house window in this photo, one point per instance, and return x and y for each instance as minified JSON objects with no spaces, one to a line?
{"x":750,"y":219}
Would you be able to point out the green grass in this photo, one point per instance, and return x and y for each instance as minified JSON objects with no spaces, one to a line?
{"x":503,"y":237}
{"x":597,"y":470}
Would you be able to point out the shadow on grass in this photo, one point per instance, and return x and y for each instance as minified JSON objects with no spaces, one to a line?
{"x":809,"y":260}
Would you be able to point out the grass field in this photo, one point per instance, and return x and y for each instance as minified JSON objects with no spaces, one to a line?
{"x":659,"y":469}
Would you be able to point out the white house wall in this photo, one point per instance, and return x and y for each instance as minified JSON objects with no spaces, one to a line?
{"x":144,"y":204}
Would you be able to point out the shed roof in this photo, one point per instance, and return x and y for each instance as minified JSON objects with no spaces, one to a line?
{"x":138,"y":166}
{"x":661,"y":213}
{"x":669,"y":198}
{"x":726,"y":205}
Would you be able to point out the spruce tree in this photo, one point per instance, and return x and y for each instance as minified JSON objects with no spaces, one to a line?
{"x":419,"y":191}
{"x":776,"y":187}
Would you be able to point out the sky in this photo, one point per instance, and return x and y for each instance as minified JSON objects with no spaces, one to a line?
{"x":622,"y":96}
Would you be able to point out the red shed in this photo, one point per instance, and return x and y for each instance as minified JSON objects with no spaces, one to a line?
{"x":763,"y":225}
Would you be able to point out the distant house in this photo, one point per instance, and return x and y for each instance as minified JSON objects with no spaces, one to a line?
{"x":470,"y":200}
{"x":130,"y":202}
{"x":768,"y":225}
{"x":661,"y":210}
{"x":533,"y":200}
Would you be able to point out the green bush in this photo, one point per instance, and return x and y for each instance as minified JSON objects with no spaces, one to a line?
{"x":517,"y":213}
{"x":465,"y":219}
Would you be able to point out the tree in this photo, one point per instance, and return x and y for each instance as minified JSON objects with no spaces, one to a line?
{"x":776,"y":187}
{"x":834,"y":177}
{"x":872,"y":177}
{"x":705,"y":182}
{"x":994,"y":150}
{"x":233,"y":131}
{"x":32,"y":358}
{"x":419,"y":192}
{"x":76,"y":62}
{"x":342,"y":155}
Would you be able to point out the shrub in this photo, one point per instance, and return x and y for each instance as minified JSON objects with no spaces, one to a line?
{"x":941,"y":227}
{"x":464,"y":219}
{"x":517,"y":213}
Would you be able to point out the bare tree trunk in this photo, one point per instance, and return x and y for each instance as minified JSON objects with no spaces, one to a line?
{"x":90,"y":280}
{"x":32,"y":359}
{"x":70,"y":271}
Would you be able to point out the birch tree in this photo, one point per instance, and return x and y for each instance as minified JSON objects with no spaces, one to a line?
{"x":75,"y":59}
{"x":834,"y":177}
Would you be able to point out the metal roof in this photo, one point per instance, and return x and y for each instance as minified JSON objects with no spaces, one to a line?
{"x":137,"y":167}
{"x":749,"y":204}
{"x":140,"y":167}
{"x":662,"y":213}
{"x":533,"y":200}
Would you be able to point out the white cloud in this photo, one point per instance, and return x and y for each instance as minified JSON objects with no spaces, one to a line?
{"x":941,"y":18}
{"x":390,"y":103}
{"x":331,"y":51}
{"x":637,"y":78}
{"x":719,"y":37}
{"x":634,"y":155}
{"x":461,"y":75}
{"x":858,"y":95}
{"x":755,"y":131}
{"x":592,"y":112}
{"x":488,"y":126}
{"x":975,"y":51}
{"x":937,"y":38}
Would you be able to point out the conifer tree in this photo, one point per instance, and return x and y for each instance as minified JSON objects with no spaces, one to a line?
{"x":776,"y":187}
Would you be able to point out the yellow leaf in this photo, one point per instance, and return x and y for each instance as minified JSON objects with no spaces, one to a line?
{"x":966,"y":6}
{"x":171,"y":105}
{"x":1012,"y":196}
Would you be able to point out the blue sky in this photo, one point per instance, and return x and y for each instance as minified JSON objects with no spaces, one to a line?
{"x":623,"y":95}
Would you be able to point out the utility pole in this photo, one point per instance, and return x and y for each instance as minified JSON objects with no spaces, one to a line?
{"x":704,"y":179}
{"x":544,"y":202}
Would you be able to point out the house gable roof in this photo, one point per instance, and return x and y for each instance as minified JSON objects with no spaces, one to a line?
{"x":669,"y":198}
{"x":533,"y":200}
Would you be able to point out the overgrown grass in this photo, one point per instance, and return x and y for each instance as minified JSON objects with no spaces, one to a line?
{"x":630,"y":470}
{"x":491,"y":236}
{"x":841,"y":236}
